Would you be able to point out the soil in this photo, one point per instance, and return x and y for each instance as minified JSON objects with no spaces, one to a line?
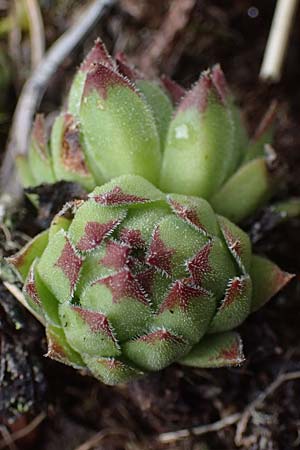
{"x":83,"y":414}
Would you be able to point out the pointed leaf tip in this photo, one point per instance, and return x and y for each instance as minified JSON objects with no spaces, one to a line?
{"x":98,"y":54}
{"x":101,"y":78}
{"x":220,"y":82}
{"x":217,"y":350}
{"x":200,"y":94}
{"x":175,"y":91}
{"x":268,"y":279}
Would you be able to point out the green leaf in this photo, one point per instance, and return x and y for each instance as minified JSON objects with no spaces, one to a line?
{"x":155,"y":350}
{"x":112,"y":371}
{"x":248,"y":189}
{"x":59,"y":267}
{"x":267,"y":280}
{"x":39,"y":297}
{"x":59,"y":348}
{"x":186,"y":311}
{"x":218,"y":350}
{"x":160,"y":105}
{"x":199,"y":148}
{"x":25,"y":257}
{"x":235,"y":306}
{"x":88,"y":332}
{"x":120,"y":132}
{"x":98,"y":54}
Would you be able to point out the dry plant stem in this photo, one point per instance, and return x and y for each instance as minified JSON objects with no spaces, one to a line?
{"x":20,"y":297}
{"x":10,"y":439}
{"x":278,"y":40}
{"x":34,"y":89}
{"x":37,"y":32}
{"x":241,"y":419}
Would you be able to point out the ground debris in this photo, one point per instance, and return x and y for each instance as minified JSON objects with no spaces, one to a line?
{"x":22,"y":382}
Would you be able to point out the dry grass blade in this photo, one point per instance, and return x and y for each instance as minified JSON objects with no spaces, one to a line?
{"x":278,"y":40}
{"x":37,"y":32}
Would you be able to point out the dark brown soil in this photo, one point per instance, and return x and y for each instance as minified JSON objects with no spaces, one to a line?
{"x":234,"y":33}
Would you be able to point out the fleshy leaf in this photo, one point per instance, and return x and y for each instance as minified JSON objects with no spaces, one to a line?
{"x":118,"y":296}
{"x":160,"y":106}
{"x":126,"y":190}
{"x":235,"y":307}
{"x":119,"y":129}
{"x":59,"y":222}
{"x":137,"y":228}
{"x":112,"y":371}
{"x":267,"y":280}
{"x":195,"y":211}
{"x":59,"y":348}
{"x":172,"y":243}
{"x":199,"y":147}
{"x":98,"y":54}
{"x":186,"y":311}
{"x":238,"y":243}
{"x":93,"y":223}
{"x":247,"y":190}
{"x":25,"y":257}
{"x":155,"y":350}
{"x":211,"y":267}
{"x":88,"y":332}
{"x":39,"y":297}
{"x":218,"y":350}
{"x":241,"y":139}
{"x":59,"y":267}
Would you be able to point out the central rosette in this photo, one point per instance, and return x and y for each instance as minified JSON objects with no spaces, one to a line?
{"x":136,"y":278}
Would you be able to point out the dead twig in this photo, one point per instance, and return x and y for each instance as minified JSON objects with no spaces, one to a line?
{"x":10,"y":438}
{"x":241,"y":419}
{"x":37,"y":32}
{"x":34,"y":89}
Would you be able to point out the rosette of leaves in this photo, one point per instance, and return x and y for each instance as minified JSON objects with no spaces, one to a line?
{"x":132,"y":280}
{"x":118,"y":122}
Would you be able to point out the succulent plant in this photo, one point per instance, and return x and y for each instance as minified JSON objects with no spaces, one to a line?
{"x":187,"y":142}
{"x":133,"y":279}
